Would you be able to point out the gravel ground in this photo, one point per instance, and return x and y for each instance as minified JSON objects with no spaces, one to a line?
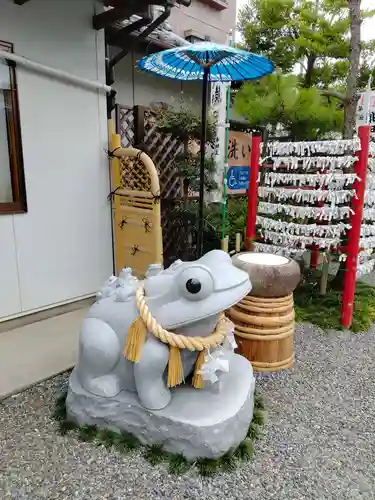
{"x":318,"y":444}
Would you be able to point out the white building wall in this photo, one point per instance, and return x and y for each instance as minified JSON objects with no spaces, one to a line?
{"x":137,"y":88}
{"x":204,"y":20}
{"x":61,"y":249}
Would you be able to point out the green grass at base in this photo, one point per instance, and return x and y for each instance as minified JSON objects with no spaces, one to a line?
{"x":325,"y":310}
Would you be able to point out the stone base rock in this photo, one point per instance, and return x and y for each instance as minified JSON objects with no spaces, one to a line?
{"x":202,"y":423}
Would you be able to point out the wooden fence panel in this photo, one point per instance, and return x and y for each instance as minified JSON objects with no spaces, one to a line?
{"x":137,"y":128}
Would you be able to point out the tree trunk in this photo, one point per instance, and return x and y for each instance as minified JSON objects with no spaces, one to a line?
{"x":311,"y":59}
{"x":352,"y":96}
{"x":309,"y":70}
{"x":354,"y":59}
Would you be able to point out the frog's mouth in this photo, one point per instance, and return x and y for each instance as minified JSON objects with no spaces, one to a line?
{"x":230,"y":288}
{"x":200,"y":328}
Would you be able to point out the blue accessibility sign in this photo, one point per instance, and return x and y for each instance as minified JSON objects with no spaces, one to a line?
{"x":238,"y":178}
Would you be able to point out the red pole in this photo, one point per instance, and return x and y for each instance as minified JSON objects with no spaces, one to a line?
{"x":352,"y":248}
{"x":252,"y":193}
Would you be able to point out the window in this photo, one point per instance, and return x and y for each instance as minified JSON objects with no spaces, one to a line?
{"x":194,"y":37}
{"x":216,"y":4}
{"x":12,"y":181}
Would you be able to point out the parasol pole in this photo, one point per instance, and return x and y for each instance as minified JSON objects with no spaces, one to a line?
{"x":225,"y":169}
{"x":203,"y":155}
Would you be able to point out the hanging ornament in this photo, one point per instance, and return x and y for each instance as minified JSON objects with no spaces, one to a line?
{"x":263,"y":247}
{"x":369,"y":213}
{"x":313,"y":181}
{"x":326,"y":212}
{"x":367,"y":243}
{"x":365,"y":268}
{"x":330,"y":231}
{"x":213,"y":363}
{"x":230,"y":343}
{"x":302,"y":242}
{"x":307,"y":148}
{"x":332,"y":181}
{"x":307,"y":195}
{"x":321,"y":163}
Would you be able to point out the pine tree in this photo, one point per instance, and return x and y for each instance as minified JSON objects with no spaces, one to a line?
{"x":322,"y":39}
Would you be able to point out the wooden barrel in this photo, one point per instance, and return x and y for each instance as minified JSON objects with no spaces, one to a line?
{"x":264,"y":331}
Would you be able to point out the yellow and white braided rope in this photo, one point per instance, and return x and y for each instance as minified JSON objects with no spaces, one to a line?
{"x":177,"y":340}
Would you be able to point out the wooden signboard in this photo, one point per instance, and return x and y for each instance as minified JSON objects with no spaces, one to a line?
{"x":238,"y":174}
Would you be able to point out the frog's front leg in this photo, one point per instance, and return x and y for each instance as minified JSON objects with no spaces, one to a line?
{"x":99,"y":353}
{"x":152,"y":390}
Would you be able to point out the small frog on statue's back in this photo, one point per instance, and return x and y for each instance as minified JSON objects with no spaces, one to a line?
{"x":108,"y":289}
{"x":127,"y":285}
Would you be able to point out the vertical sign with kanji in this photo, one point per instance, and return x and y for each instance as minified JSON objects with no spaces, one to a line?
{"x":239,"y":162}
{"x":218,"y":106}
{"x":366,"y":111}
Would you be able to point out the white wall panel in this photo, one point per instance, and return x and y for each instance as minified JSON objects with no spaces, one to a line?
{"x":63,"y":245}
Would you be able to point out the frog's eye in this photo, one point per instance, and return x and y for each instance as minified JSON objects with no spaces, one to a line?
{"x":193,"y":285}
{"x":196,"y":283}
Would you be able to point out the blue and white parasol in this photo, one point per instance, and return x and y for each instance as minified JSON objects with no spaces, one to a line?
{"x":210,"y":62}
{"x":225,"y":64}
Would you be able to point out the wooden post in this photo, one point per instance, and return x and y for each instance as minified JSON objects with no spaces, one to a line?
{"x":238,"y":242}
{"x":352,"y":247}
{"x":315,"y":249}
{"x":225,"y":244}
{"x":139,"y":126}
{"x":252,"y":193}
{"x":325,"y":273}
{"x":111,"y":132}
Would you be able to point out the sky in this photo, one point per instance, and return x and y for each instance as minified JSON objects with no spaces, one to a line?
{"x":367,"y":32}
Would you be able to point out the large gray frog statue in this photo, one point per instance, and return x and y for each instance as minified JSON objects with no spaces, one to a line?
{"x":156,"y":359}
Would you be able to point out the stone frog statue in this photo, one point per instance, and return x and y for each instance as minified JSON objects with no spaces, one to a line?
{"x":182,"y":303}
